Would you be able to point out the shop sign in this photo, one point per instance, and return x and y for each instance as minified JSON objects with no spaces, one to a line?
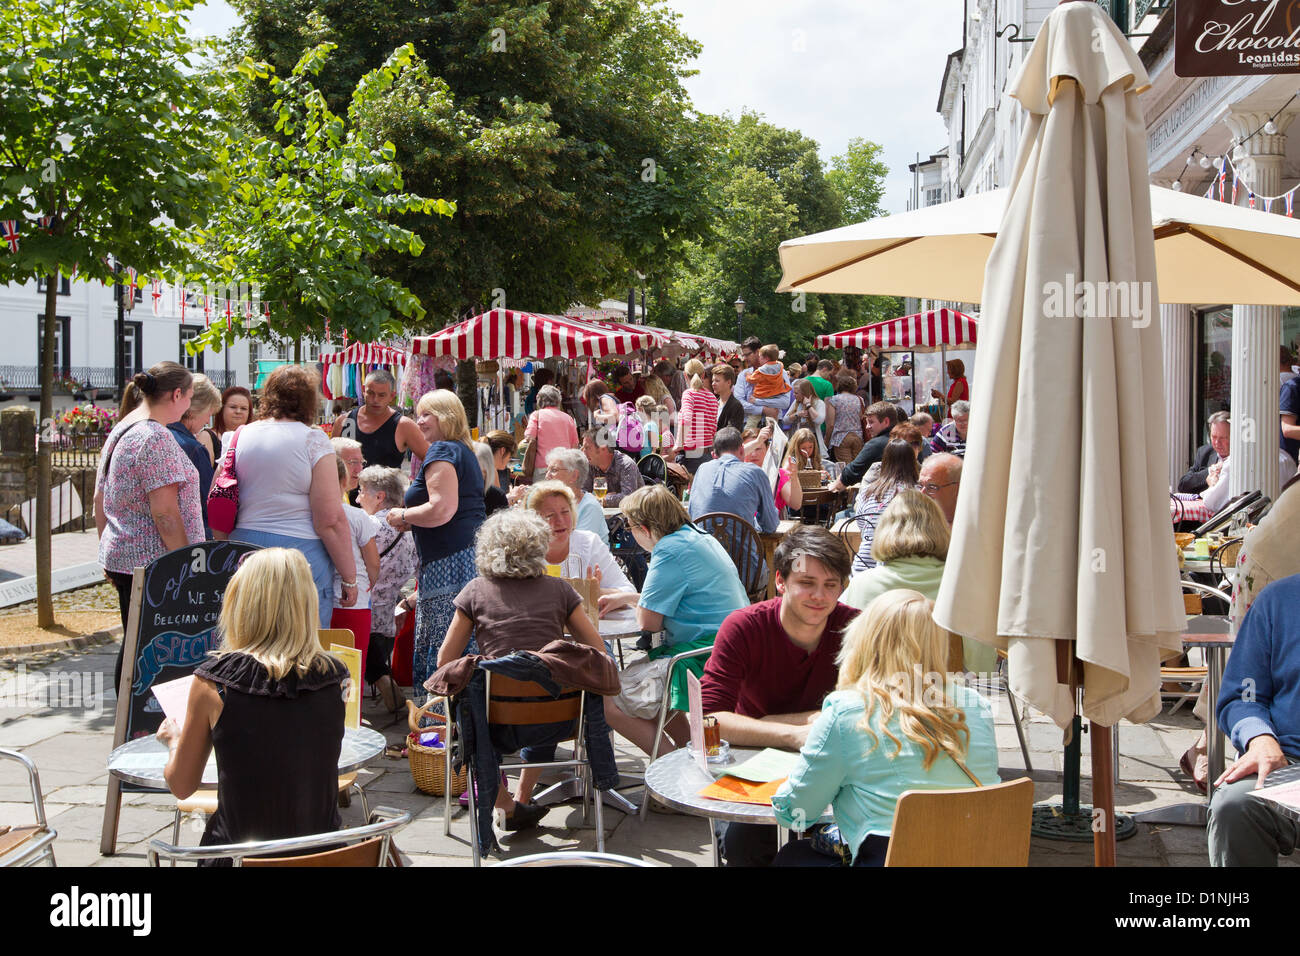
{"x":1236,"y":37}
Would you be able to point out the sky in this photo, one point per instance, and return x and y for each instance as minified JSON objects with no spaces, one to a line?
{"x":832,"y":69}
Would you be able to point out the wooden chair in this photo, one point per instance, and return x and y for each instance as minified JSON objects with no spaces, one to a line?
{"x":335,"y":635}
{"x":742,"y":545}
{"x":369,"y":845}
{"x":28,"y":844}
{"x":516,"y":703}
{"x":974,"y":826}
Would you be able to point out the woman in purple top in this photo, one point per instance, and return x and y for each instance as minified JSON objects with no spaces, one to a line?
{"x":147,"y":489}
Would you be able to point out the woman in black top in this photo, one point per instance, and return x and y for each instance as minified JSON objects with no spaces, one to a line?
{"x":271,"y":703}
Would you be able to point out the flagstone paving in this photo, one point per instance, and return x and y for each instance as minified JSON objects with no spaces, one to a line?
{"x":70,"y":746}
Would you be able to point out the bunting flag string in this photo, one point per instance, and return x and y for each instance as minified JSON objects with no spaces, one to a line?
{"x":1266,"y":202}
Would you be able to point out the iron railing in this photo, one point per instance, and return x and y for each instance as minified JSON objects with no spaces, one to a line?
{"x":76,"y":380}
{"x":72,"y":506}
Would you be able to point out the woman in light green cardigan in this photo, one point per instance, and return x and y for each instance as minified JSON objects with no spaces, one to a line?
{"x":910,"y":548}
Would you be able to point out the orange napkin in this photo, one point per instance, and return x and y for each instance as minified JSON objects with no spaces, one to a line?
{"x":741,"y":791}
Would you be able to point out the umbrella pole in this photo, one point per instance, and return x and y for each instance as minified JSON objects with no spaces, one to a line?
{"x":1103,"y":796}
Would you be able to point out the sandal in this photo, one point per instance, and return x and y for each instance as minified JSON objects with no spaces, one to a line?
{"x":1185,"y":764}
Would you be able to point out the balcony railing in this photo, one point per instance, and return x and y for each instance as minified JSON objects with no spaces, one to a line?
{"x":77,"y":379}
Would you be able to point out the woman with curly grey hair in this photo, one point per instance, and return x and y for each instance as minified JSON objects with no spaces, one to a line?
{"x":514,"y":605}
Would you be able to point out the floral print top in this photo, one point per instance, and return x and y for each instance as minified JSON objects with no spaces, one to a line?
{"x":395,"y":568}
{"x":143,"y":457}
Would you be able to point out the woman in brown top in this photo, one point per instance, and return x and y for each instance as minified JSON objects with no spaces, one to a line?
{"x":515,"y":606}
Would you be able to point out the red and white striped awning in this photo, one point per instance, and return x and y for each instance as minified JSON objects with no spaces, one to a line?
{"x":502,"y":333}
{"x":362,"y":354}
{"x":691,"y":341}
{"x":925,"y":331}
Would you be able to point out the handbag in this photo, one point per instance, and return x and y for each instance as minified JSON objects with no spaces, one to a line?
{"x":223,"y":496}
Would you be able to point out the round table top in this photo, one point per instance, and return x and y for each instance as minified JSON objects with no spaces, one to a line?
{"x":619,"y":626}
{"x":675,"y":780}
{"x":142,"y":761}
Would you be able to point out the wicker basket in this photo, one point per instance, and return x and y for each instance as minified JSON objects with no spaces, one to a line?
{"x":811,"y":479}
{"x":1184,"y":539}
{"x":429,"y":764}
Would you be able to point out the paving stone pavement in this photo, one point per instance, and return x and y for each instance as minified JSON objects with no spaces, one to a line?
{"x":70,"y":745}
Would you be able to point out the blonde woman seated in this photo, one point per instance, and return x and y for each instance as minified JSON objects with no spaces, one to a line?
{"x":270,"y":702}
{"x":910,"y":547}
{"x":895,"y":722}
{"x":574,"y":553}
{"x":514,"y":605}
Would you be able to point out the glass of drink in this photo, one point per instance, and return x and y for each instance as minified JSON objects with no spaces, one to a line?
{"x":600,"y":488}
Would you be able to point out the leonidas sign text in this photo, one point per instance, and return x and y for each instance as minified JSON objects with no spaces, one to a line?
{"x":1236,"y":37}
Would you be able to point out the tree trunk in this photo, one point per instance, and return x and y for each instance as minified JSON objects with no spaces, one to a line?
{"x":45,"y":434}
{"x":467,"y":390}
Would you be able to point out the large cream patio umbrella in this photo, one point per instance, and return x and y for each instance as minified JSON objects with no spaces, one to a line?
{"x":1061,"y":532}
{"x":1206,"y":251}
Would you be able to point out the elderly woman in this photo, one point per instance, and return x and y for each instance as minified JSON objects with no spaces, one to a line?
{"x":549,"y":428}
{"x":444,"y":508}
{"x":514,"y":605}
{"x":878,"y":736}
{"x":289,"y":486}
{"x":147,"y":490}
{"x":690,"y":588}
{"x":570,"y":466}
{"x":189,"y":435}
{"x":575,"y":553}
{"x":380,"y":490}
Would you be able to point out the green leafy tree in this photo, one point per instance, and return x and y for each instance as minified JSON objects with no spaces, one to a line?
{"x":104,"y":132}
{"x":305,"y":210}
{"x":562,"y":131}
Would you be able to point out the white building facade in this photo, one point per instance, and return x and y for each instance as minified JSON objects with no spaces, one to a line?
{"x":1217,"y":355}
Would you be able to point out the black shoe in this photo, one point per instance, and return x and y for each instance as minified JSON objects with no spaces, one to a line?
{"x":525,"y":817}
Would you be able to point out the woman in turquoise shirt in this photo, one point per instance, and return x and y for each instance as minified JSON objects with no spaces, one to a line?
{"x":895,"y":722}
{"x":690,"y":588}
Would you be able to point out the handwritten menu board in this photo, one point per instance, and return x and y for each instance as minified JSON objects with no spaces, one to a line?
{"x":175,"y":603}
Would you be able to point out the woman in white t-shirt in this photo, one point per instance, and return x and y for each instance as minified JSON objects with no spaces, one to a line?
{"x":577,"y":553}
{"x":289,"y":487}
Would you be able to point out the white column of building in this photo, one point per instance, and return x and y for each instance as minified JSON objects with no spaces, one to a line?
{"x":1176,"y":333}
{"x":1256,"y":329}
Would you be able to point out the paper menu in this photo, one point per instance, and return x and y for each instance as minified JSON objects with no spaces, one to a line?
{"x":742,"y":791}
{"x":174,"y":697}
{"x":352,"y":658}
{"x":766,"y":766}
{"x":1286,"y":795}
{"x":695,"y":717}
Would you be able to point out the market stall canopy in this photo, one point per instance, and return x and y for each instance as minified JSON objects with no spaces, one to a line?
{"x":361,"y":354}
{"x":1206,"y":252}
{"x":923,"y":332}
{"x":502,"y":333}
{"x":338,"y":378}
{"x":690,"y":341}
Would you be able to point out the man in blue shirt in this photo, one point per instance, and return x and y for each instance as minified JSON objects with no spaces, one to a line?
{"x":1259,"y":707}
{"x":734,"y":486}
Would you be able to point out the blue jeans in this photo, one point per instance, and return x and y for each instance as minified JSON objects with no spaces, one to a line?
{"x":313,"y":549}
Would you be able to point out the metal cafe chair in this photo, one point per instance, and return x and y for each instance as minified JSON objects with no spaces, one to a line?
{"x":517,"y":703}
{"x":742,"y":545}
{"x":663,"y":712}
{"x":574,"y":858}
{"x":29,"y":844}
{"x":369,"y":845}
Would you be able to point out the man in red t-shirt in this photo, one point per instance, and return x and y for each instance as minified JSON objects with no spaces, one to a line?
{"x":773,"y":662}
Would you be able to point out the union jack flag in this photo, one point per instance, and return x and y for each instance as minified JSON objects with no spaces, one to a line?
{"x":1290,"y":198}
{"x":156,"y":292}
{"x":1234,"y":187}
{"x":207,"y":310}
{"x":1223,"y":175}
{"x":1252,"y":198}
{"x":9,"y":233}
{"x":46,"y":222}
{"x":133,"y":283}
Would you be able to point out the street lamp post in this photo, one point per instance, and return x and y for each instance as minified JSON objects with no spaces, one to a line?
{"x":740,"y":311}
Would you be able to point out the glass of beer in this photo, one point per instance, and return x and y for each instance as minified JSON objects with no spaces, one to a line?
{"x":600,"y":488}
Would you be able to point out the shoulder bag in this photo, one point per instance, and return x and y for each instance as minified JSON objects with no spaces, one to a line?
{"x":223,"y":497}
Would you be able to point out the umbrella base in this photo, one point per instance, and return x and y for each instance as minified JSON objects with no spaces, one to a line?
{"x":1052,"y":822}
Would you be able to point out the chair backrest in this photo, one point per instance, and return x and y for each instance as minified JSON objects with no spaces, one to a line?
{"x":367,"y":845}
{"x":631,"y":557}
{"x":974,"y":826}
{"x":365,"y":854}
{"x":850,"y":531}
{"x":516,"y":702}
{"x":1224,"y":557}
{"x":653,"y":468}
{"x":574,"y":858}
{"x":336,"y":635}
{"x":741,"y":543}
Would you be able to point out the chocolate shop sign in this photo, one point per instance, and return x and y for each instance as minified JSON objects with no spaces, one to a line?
{"x":1236,"y":37}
